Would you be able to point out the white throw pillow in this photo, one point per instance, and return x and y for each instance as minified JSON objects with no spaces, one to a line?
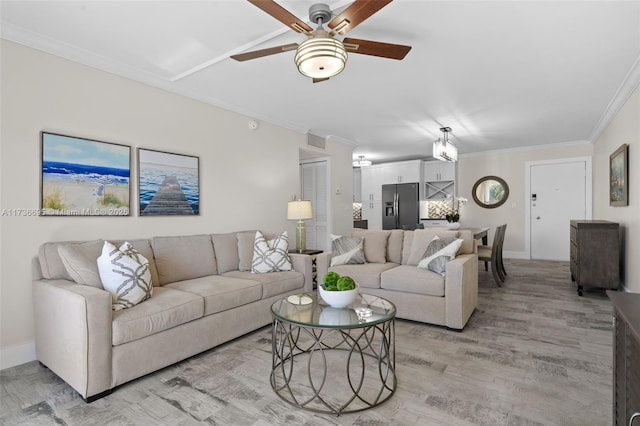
{"x":125,"y":274}
{"x":347,"y":250}
{"x":272,"y":255}
{"x":438,"y":253}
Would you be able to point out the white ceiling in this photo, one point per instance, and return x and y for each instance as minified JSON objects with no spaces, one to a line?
{"x":501,"y":74}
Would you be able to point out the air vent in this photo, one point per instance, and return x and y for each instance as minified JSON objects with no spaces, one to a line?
{"x":315,"y":140}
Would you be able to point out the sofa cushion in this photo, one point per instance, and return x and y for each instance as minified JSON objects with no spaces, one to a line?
{"x":167,"y":308}
{"x":80,"y":261}
{"x":245,"y":241}
{"x":347,"y":250}
{"x":51,"y":263}
{"x":225,"y":247}
{"x":221,"y":293}
{"x":413,"y":280}
{"x":438,"y":253}
{"x":421,"y":239}
{"x":271,"y":255}
{"x":125,"y":274}
{"x":274,"y":283}
{"x":184,"y":258}
{"x":367,"y":275}
{"x":394,"y":246}
{"x":375,"y":244}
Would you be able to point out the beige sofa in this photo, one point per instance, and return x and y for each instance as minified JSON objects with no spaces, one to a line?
{"x":204,"y":294}
{"x":419,"y":294}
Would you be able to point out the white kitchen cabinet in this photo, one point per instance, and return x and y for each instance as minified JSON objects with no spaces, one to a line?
{"x":439,"y":180}
{"x":402,"y":172}
{"x":439,"y":171}
{"x":372,"y":180}
{"x":372,"y":213}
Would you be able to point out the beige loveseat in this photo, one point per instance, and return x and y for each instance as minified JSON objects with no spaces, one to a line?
{"x":204,"y":294}
{"x":421,"y":295}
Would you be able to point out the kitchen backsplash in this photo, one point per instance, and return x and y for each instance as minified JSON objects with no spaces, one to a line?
{"x":357,"y":211}
{"x":438,"y":209}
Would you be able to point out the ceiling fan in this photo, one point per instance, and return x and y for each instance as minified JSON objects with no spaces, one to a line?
{"x":322,"y":55}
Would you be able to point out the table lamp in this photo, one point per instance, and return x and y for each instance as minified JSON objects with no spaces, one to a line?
{"x":300,"y":210}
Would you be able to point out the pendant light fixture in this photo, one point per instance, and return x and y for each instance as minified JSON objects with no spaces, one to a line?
{"x":443,"y":149}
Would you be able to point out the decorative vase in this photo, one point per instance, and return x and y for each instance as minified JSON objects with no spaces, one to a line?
{"x":453,"y":225}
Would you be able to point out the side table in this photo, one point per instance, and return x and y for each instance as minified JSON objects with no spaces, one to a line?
{"x":313,"y":253}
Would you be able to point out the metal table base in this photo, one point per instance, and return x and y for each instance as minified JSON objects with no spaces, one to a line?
{"x":334,"y":371}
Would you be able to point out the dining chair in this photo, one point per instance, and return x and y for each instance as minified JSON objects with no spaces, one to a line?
{"x":493,"y":254}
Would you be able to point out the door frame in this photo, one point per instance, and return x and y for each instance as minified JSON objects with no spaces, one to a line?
{"x":527,"y":193}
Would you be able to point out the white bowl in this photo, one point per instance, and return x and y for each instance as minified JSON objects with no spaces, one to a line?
{"x":338,"y":299}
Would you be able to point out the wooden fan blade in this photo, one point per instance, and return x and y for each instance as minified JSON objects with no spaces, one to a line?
{"x":355,"y":14}
{"x":282,"y":15}
{"x":376,"y":48}
{"x":318,"y":80}
{"x":264,"y":52}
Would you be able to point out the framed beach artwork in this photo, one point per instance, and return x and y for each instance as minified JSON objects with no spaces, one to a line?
{"x":168,"y":183}
{"x":619,"y":177}
{"x":83,"y":177}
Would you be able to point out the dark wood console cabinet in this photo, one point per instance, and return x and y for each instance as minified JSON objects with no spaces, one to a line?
{"x":595,"y":254}
{"x":626,"y":358}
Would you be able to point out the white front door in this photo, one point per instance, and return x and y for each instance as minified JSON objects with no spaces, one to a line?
{"x":558,"y":194}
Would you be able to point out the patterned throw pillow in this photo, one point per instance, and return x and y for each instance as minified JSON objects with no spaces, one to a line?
{"x":438,"y":253}
{"x":272,"y":255}
{"x":125,"y":274}
{"x":347,"y":250}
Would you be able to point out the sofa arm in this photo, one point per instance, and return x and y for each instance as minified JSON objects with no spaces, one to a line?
{"x":323,"y":260}
{"x":73,"y":333}
{"x":461,"y":290}
{"x":302,"y":263}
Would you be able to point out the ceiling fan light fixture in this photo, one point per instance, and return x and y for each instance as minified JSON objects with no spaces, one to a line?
{"x":444,"y":150}
{"x":361,"y":162}
{"x":320,"y":57}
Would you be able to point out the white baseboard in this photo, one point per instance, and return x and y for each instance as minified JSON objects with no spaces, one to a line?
{"x":16,"y":355}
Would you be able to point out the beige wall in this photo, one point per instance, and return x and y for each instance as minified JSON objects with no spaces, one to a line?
{"x":246,"y":176}
{"x":511,"y":166}
{"x":625,"y":128}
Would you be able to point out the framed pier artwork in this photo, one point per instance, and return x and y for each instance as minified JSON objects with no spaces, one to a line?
{"x":168,"y":184}
{"x":83,"y":177}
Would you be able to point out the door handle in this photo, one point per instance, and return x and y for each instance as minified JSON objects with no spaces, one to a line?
{"x":538,"y":217}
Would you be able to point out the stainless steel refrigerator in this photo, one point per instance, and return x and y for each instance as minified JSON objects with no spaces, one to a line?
{"x":400,"y":206}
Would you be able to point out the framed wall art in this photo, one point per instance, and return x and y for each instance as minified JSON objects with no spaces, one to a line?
{"x":619,"y":177}
{"x":83,"y":177}
{"x":168,"y":183}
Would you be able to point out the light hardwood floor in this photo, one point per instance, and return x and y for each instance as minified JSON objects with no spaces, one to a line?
{"x":533,"y":353}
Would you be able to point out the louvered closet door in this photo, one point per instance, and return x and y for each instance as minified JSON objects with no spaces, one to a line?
{"x":314,"y":188}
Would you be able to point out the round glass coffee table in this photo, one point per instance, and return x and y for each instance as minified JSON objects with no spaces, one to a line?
{"x":333,"y":360}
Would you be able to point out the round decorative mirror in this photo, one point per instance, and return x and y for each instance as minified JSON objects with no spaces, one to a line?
{"x":490,"y":192}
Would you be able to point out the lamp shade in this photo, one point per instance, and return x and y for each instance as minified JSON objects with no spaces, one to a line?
{"x":299,"y":210}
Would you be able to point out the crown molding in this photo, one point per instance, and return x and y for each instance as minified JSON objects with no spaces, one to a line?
{"x":626,"y":89}
{"x":20,"y":35}
{"x":525,"y":148}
